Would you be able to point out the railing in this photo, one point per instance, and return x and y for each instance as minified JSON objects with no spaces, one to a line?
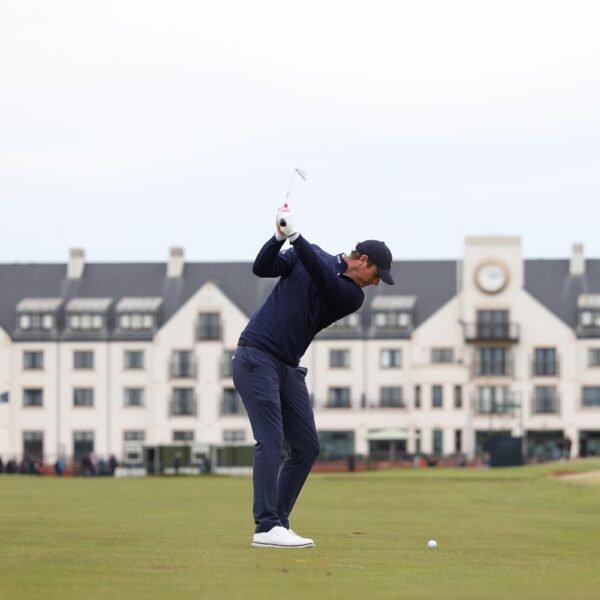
{"x":545,"y":368}
{"x":364,"y":404}
{"x":229,"y":408}
{"x":493,"y":368}
{"x":183,"y":370}
{"x":545,"y":406}
{"x":497,"y":406}
{"x":178,"y":408}
{"x":489,"y":332}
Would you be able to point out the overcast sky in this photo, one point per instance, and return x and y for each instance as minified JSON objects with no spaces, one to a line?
{"x":128,"y":127}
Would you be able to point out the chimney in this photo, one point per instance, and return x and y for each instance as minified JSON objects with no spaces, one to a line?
{"x":76,"y":263}
{"x":176,"y":262}
{"x":577,"y":267}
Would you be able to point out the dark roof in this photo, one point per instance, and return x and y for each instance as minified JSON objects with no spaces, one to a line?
{"x":432,"y":282}
{"x":549,"y":282}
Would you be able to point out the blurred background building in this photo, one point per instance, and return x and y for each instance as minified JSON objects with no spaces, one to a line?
{"x":127,"y":359}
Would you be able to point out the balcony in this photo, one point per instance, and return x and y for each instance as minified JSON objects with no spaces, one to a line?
{"x":493,"y":368}
{"x":489,"y":332}
{"x":506,"y":405}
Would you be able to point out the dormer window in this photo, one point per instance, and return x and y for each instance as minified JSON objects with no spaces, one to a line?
{"x":87,"y":314}
{"x":349,"y":321}
{"x":85,"y":321}
{"x":393,"y":311}
{"x":37,"y":314}
{"x":392,"y":319}
{"x":589,"y":310}
{"x":136,"y":321}
{"x":138,"y":314}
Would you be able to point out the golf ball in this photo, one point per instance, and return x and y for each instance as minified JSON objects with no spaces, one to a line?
{"x":432,"y":544}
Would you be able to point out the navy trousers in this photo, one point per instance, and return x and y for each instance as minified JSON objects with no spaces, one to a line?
{"x":278,"y":405}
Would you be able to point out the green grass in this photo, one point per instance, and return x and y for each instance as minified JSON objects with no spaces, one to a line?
{"x":502,"y":534}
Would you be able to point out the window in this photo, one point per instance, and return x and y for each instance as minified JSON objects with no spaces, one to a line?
{"x":85,"y":321}
{"x":33,"y":445}
{"x":33,"y":360}
{"x":458,"y":396}
{"x":349,"y":321}
{"x":134,"y":436}
{"x":232,"y":402}
{"x":83,"y":444}
{"x":391,"y":397}
{"x":492,"y":360}
{"x":83,"y":359}
{"x":545,"y":400}
{"x":458,"y":441}
{"x":183,"y":402}
{"x":83,"y":397}
{"x":590,"y":318}
{"x":136,"y":321}
{"x":390,"y":358}
{"x":226,"y":370}
{"x":234,"y":435}
{"x":339,"y":359}
{"x":417,"y":441}
{"x":339,"y":397}
{"x":591,"y":397}
{"x":36,"y":321}
{"x":183,"y":436}
{"x":33,"y":397}
{"x":133,"y":397}
{"x":437,"y":399}
{"x":133,"y":359}
{"x":493,"y":399}
{"x":392,"y":319}
{"x":545,"y":361}
{"x":493,"y":324}
{"x":594,"y":357}
{"x":417,"y":396}
{"x":438,"y":441}
{"x":183,"y":364}
{"x":442,"y":355}
{"x":209,"y":326}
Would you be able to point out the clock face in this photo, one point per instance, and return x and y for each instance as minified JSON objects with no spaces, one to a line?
{"x":491,"y":278}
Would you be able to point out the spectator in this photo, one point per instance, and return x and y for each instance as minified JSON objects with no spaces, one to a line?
{"x":1,"y":465}
{"x":59,"y":466}
{"x":12,"y":467}
{"x":112,"y":465}
{"x":568,"y":446}
{"x":87,"y":469}
{"x":177,"y":460}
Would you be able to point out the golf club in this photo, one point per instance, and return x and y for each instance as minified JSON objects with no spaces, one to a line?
{"x":302,"y":174}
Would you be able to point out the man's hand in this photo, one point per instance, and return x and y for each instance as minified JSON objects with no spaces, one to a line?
{"x":285,"y":223}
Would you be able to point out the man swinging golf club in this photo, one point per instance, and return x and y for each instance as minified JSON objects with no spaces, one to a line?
{"x":315,"y":289}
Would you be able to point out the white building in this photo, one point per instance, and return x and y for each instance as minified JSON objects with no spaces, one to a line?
{"x":112,"y":358}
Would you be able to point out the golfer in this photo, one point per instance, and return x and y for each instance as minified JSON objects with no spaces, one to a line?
{"x":315,"y":289}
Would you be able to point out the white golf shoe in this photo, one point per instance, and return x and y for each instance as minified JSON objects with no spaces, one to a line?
{"x":280,"y":537}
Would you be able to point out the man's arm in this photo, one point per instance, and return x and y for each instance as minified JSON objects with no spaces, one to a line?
{"x":348,"y":296}
{"x":270,"y":262}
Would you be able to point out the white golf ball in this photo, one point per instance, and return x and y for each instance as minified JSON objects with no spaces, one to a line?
{"x":432,"y":544}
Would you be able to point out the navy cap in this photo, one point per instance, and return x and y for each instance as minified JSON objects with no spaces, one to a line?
{"x":380,"y":255}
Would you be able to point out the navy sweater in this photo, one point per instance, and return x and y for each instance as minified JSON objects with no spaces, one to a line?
{"x":312,"y":293}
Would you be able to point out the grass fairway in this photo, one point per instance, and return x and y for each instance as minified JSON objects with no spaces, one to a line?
{"x":502,"y":534}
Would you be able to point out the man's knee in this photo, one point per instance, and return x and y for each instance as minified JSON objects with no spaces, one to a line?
{"x":313,"y":450}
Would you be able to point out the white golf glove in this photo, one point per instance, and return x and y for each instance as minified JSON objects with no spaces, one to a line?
{"x":286,"y":225}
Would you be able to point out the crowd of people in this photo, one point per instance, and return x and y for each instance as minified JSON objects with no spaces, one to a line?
{"x":88,"y":466}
